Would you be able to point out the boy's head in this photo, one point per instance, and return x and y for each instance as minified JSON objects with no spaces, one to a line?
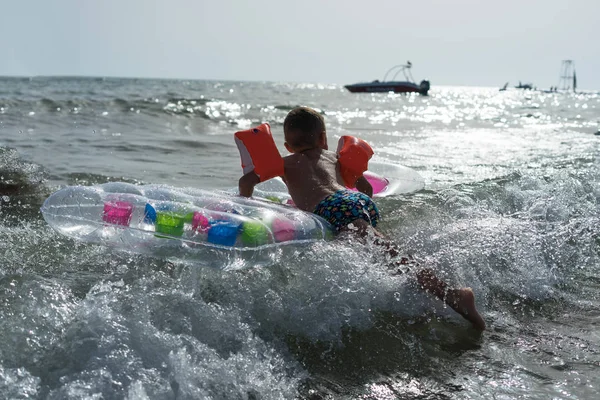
{"x":304,"y":129}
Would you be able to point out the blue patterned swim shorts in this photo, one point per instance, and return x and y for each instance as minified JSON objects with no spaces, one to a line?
{"x":344,"y":206}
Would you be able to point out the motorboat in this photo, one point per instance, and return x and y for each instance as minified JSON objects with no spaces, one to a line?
{"x":406,"y":86}
{"x":526,"y":86}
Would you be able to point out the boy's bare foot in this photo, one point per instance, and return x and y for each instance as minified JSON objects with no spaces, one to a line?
{"x":463,"y":302}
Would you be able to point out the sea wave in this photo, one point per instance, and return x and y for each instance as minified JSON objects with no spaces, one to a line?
{"x":510,"y":208}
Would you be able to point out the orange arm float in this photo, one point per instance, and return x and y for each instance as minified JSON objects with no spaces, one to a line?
{"x":259,"y":152}
{"x":353,"y":155}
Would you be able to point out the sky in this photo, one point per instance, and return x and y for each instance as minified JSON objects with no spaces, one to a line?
{"x":449,"y":42}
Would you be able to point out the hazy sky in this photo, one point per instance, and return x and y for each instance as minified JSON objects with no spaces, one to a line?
{"x":450,"y":42}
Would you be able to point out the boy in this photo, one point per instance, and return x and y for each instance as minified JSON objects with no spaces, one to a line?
{"x":312,"y":175}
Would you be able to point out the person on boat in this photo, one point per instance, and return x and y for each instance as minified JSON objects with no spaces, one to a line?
{"x":315,"y":183}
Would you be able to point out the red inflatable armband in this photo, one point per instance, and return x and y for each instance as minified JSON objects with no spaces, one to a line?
{"x":259,"y":152}
{"x":353,"y":155}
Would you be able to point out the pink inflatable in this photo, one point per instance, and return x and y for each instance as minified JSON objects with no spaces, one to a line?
{"x":379,"y":183}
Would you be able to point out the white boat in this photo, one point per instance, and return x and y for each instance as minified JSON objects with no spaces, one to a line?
{"x":406,"y":86}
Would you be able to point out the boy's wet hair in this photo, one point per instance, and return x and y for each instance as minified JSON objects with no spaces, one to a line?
{"x":303,"y":126}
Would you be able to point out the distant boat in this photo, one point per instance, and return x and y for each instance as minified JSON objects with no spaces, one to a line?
{"x":553,"y":89}
{"x":503,"y":88}
{"x":526,"y":86}
{"x":406,"y":86}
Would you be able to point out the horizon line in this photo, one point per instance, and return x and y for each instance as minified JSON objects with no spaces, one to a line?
{"x":67,"y":76}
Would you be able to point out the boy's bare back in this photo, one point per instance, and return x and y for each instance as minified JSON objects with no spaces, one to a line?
{"x":310,"y":176}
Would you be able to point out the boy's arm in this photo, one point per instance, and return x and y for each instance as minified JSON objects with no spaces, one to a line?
{"x":247,"y":182}
{"x":363,"y":185}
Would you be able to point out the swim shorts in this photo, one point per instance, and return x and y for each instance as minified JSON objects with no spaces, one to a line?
{"x":345,"y":206}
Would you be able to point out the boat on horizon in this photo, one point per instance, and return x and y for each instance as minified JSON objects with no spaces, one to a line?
{"x":526,"y":86}
{"x":406,"y":86}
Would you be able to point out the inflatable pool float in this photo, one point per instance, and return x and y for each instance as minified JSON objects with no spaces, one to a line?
{"x":150,"y":218}
{"x":146,"y":218}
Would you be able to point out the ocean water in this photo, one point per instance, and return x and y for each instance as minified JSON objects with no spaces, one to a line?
{"x":511,"y":208}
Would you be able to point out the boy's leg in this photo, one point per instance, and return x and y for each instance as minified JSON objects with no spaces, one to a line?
{"x":460,"y":300}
